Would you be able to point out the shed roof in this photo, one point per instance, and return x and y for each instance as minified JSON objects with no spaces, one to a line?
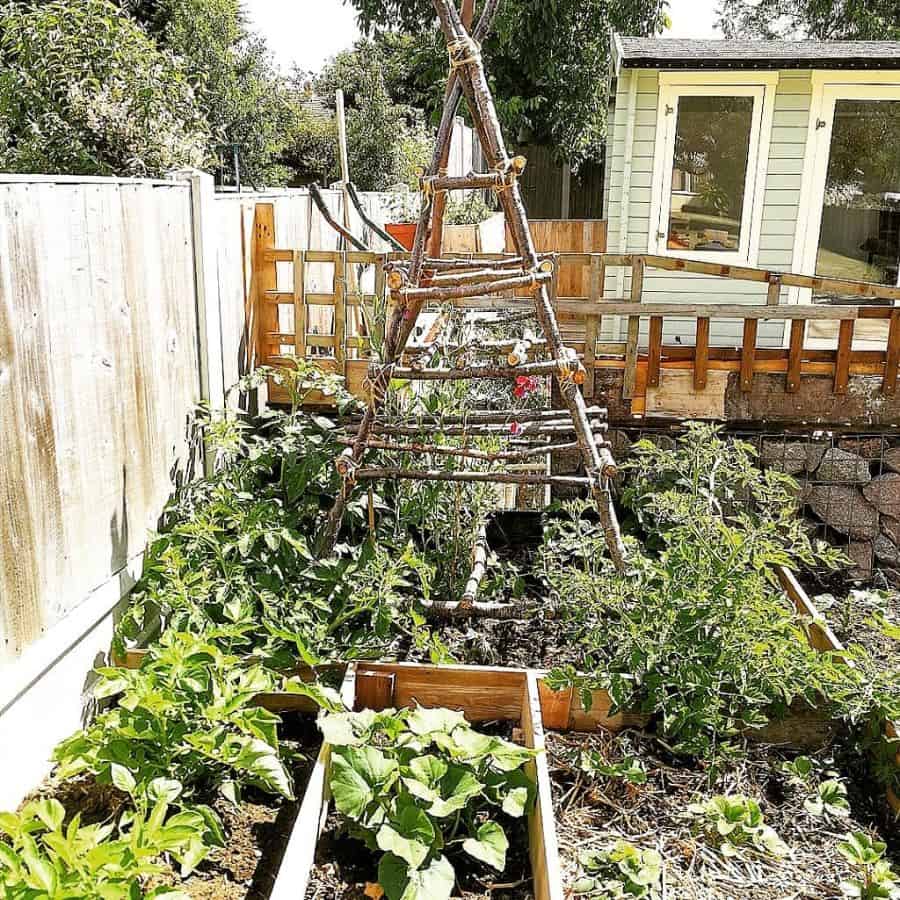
{"x":673,"y":53}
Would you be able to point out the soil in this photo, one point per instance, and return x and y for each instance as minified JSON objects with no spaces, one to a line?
{"x":257,"y":831}
{"x":344,"y":868}
{"x":534,"y":639}
{"x":593,"y":812}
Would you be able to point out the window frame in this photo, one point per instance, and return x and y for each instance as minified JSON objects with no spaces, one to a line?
{"x":760,"y":86}
{"x":828,"y":89}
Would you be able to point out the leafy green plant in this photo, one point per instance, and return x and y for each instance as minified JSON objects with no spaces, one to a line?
{"x":43,"y":858}
{"x":827,"y":793}
{"x":187,"y":715}
{"x":83,"y":90}
{"x":631,"y":769}
{"x":734,"y":823}
{"x":415,"y":782}
{"x":829,"y":799}
{"x":876,"y":879}
{"x":620,"y":871}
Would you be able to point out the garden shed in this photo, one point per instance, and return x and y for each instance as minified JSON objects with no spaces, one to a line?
{"x":779,"y":155}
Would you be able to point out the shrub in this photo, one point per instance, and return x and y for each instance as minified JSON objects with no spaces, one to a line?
{"x":83,"y":90}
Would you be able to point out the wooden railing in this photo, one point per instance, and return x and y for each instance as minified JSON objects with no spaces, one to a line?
{"x":343,"y":347}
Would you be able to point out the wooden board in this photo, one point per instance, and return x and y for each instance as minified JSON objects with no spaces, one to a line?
{"x":576,"y":236}
{"x":299,"y":854}
{"x":676,"y":396}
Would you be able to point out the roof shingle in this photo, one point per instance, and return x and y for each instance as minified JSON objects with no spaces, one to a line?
{"x":674,"y":53}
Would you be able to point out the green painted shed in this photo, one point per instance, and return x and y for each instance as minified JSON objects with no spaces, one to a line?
{"x":780,"y":155}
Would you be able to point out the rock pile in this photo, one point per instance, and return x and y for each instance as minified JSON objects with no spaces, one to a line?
{"x":853,"y":486}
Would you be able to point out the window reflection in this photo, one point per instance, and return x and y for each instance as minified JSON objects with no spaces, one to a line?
{"x":709,"y":173}
{"x":860,"y":235}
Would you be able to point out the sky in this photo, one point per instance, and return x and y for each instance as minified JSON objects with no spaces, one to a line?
{"x":308,"y":32}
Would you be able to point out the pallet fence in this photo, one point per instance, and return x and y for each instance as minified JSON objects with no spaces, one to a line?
{"x":344,"y":350}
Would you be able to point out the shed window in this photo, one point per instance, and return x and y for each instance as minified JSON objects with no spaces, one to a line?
{"x":710,"y":164}
{"x":709,"y":173}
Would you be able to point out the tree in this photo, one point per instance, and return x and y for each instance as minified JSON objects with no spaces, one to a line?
{"x":861,"y":20}
{"x":242,"y":98}
{"x":386,"y":140}
{"x":547,"y":59}
{"x":84,"y":90}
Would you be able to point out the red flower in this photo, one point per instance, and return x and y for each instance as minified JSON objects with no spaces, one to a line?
{"x":525,"y":385}
{"x":514,"y":428}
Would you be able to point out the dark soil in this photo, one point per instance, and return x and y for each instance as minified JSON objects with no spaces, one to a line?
{"x":257,"y":832}
{"x":345,"y":868}
{"x":536,"y":638}
{"x":592,"y":812}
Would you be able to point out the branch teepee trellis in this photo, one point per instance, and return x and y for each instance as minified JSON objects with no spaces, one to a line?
{"x":428,"y":278}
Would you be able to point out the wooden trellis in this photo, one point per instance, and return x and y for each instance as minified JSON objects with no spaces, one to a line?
{"x":429,"y":278}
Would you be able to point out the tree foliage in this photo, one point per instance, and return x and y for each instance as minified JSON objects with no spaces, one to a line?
{"x":548,"y":62}
{"x":386,"y":138}
{"x":84,"y":90}
{"x":859,"y":20}
{"x":238,"y":92}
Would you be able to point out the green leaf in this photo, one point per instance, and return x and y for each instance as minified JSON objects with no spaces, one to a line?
{"x":50,"y":811}
{"x":489,"y":845}
{"x":122,"y":778}
{"x":110,"y":686}
{"x":457,"y":787}
{"x":323,"y":696}
{"x":435,"y":882}
{"x":423,"y":720}
{"x":409,"y":836}
{"x":356,"y":773}
{"x":338,"y":729}
{"x":41,"y":870}
{"x":166,"y":789}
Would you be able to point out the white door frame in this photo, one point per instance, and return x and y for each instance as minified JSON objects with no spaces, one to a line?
{"x":827,"y":88}
{"x":672,"y":85}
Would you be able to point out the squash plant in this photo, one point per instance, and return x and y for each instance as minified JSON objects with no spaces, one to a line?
{"x":414,"y":783}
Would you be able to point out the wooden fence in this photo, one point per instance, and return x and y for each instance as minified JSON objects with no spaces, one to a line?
{"x":695,"y":376}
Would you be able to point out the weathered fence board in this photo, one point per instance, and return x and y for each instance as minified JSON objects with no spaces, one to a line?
{"x":98,"y":369}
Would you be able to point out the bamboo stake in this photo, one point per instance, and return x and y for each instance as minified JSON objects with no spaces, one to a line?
{"x":479,"y":567}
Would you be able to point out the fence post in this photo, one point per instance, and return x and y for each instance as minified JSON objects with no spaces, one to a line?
{"x":206,"y":288}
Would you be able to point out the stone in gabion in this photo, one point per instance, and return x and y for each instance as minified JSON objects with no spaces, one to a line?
{"x":844,"y":509}
{"x":788,"y":457}
{"x":840,"y":466}
{"x":863,"y":559}
{"x":886,"y":550}
{"x":883,"y":493}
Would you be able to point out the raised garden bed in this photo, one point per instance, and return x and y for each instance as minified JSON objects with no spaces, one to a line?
{"x":484,"y":696}
{"x":823,"y":638}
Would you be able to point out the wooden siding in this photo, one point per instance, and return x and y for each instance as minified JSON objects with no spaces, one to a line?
{"x":779,"y":219}
{"x":98,"y":373}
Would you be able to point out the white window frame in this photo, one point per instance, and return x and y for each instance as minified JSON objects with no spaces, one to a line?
{"x":672,"y":85}
{"x":827,"y":88}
